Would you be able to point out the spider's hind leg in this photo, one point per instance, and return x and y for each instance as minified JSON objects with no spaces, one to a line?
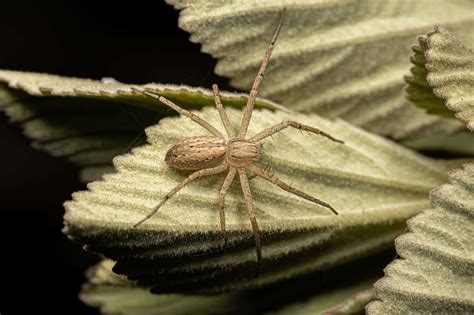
{"x":190,"y":178}
{"x":182,"y":111}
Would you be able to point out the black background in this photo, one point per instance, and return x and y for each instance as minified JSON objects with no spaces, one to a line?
{"x":41,"y":271}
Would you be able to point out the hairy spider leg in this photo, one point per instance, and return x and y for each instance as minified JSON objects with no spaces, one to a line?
{"x":244,"y":183}
{"x":182,"y":111}
{"x":222,"y":112}
{"x":190,"y":178}
{"x":289,"y":123}
{"x":225,"y":187}
{"x":263,"y":174}
{"x":258,"y":79}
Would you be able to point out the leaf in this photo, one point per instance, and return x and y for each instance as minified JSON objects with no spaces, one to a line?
{"x":461,"y":143}
{"x":89,"y":122}
{"x":114,"y":294}
{"x":350,"y":300}
{"x":336,"y":58}
{"x":375,"y":185}
{"x":435,"y":272}
{"x":442,"y":78}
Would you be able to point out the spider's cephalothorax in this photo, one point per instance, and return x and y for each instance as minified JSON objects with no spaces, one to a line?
{"x":241,"y":152}
{"x":209,"y":155}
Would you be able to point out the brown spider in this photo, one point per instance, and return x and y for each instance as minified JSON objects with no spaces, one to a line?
{"x":210,"y":155}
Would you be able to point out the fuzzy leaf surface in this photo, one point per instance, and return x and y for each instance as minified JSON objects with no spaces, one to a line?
{"x":115,"y":295}
{"x":436,"y":270}
{"x":374,"y":183}
{"x":442,"y":79}
{"x":337,"y":58}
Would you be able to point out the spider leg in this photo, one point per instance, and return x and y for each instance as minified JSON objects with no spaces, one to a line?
{"x":225,"y":187}
{"x":182,"y":111}
{"x":258,"y":79}
{"x":244,"y":182}
{"x":190,"y":178}
{"x":259,"y":172}
{"x":268,"y":132}
{"x":267,"y":168}
{"x":221,"y":110}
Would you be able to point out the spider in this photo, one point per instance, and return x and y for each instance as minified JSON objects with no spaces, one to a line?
{"x":210,"y":155}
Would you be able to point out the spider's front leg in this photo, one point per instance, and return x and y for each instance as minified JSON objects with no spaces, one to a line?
{"x":259,"y":78}
{"x":263,"y":174}
{"x":225,"y":187}
{"x":244,"y":182}
{"x":290,"y":123}
{"x":220,"y":108}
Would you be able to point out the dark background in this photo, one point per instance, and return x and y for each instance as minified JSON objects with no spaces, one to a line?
{"x":132,"y":42}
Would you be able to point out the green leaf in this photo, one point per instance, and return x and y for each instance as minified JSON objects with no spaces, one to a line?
{"x":336,"y":58}
{"x":114,"y":294}
{"x":90,"y":122}
{"x":442,"y":79}
{"x":349,"y":300}
{"x":375,"y":184}
{"x":461,"y":143}
{"x":436,"y":270}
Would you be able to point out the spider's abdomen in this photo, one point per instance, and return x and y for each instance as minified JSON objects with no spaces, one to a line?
{"x":196,"y":153}
{"x":242,"y":152}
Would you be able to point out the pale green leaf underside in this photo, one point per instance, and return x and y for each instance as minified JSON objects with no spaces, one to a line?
{"x":349,"y":300}
{"x":336,"y":58}
{"x":89,"y":122}
{"x":113,"y":294}
{"x":436,"y":272}
{"x":374,"y":183}
{"x":442,"y":80}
